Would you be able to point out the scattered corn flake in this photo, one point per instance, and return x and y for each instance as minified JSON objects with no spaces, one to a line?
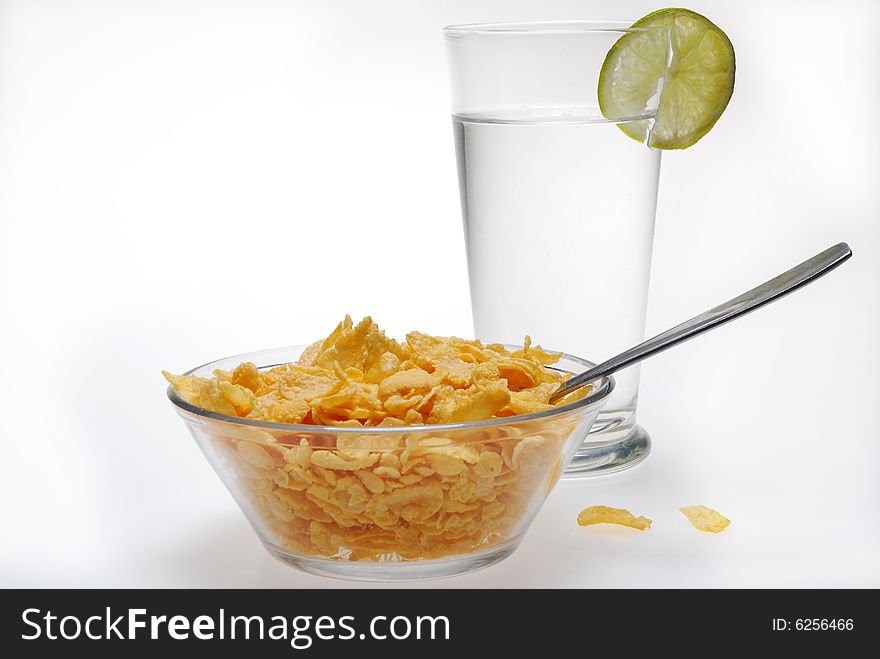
{"x":607,"y":515}
{"x":705,"y":519}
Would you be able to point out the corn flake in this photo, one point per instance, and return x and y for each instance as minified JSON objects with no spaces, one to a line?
{"x":607,"y":515}
{"x":705,"y":519}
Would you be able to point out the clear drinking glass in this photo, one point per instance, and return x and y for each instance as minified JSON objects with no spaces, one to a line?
{"x":558,"y":205}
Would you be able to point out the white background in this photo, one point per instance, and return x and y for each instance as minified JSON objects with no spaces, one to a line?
{"x":183,"y":180}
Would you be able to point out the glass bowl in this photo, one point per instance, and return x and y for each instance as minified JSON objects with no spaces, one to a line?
{"x":395,"y":503}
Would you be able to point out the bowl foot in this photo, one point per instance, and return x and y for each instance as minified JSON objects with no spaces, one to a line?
{"x":419,"y":570}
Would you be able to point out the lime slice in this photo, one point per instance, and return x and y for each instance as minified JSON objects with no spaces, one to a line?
{"x":694,"y":89}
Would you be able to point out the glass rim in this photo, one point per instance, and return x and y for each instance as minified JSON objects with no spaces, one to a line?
{"x":547,"y":27}
{"x":598,"y":394}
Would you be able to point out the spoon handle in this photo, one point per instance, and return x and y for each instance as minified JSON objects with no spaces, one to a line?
{"x":788,"y":281}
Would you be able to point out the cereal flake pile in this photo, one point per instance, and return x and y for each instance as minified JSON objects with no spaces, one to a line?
{"x":357,"y":376}
{"x":418,"y":492}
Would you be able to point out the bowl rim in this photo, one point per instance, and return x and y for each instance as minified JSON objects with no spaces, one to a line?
{"x":598,"y":394}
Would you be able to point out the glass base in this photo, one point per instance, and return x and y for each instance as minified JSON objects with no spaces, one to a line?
{"x":419,"y":570}
{"x":596,"y":457}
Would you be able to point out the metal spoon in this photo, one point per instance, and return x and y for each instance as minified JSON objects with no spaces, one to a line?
{"x":801,"y":275}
